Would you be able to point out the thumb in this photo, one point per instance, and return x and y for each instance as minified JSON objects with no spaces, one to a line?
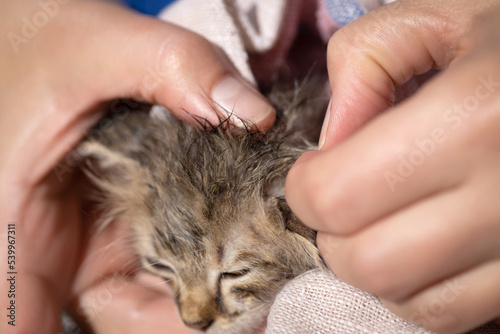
{"x":157,"y":62}
{"x":383,"y":49}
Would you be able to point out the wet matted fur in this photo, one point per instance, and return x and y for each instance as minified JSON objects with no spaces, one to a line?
{"x":206,"y":208}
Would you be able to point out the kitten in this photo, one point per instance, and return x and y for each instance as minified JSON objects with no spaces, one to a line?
{"x":206,"y":208}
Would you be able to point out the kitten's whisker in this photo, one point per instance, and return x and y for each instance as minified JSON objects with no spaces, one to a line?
{"x":182,"y":288}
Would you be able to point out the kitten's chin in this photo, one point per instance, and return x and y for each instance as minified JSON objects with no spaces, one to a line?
{"x":261,"y":329}
{"x":246,"y":326}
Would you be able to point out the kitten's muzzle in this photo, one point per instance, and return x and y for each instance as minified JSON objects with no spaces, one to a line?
{"x":201,"y":325}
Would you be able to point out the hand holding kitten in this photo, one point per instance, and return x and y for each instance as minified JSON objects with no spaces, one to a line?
{"x":56,"y":74}
{"x":406,"y":202}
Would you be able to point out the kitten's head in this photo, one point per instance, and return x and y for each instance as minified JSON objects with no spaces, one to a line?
{"x":207,"y":213}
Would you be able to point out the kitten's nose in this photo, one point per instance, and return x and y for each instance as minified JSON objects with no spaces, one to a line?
{"x":201,"y":325}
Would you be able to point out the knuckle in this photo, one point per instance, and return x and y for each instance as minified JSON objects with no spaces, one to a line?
{"x":305,"y":194}
{"x":323,"y":206}
{"x":347,"y":41}
{"x":369,"y":273}
{"x":422,"y":315}
{"x":338,"y":45}
{"x":444,"y":325}
{"x":181,"y":51}
{"x":338,"y":207}
{"x":321,"y":200}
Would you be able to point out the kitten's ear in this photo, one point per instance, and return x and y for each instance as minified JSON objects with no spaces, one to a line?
{"x":101,"y":163}
{"x":292,"y":222}
{"x":307,"y":239}
{"x":274,"y":194}
{"x":274,"y":187}
{"x":119,"y":183}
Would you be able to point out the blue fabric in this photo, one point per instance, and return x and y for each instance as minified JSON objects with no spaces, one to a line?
{"x":151,"y":7}
{"x":343,"y":11}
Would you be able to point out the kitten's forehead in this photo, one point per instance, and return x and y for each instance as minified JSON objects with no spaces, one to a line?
{"x":245,"y":239}
{"x":234,"y":225}
{"x":243,"y":217}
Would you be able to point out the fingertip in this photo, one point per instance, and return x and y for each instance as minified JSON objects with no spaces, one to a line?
{"x":267,"y":122}
{"x":298,"y":172}
{"x":306,"y":157}
{"x":39,"y":303}
{"x":242,"y":103}
{"x":352,"y":106}
{"x":298,"y":186}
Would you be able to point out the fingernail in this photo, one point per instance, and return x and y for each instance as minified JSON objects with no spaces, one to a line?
{"x":322,"y":136}
{"x":242,"y":103}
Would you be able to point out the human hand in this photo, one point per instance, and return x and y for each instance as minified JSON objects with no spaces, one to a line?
{"x":405,"y":201}
{"x":61,"y":62}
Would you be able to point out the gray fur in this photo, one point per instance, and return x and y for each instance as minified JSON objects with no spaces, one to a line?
{"x":206,"y":208}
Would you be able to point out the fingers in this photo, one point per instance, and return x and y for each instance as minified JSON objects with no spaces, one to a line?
{"x":43,"y":254}
{"x":383,"y":49}
{"x":365,"y":63}
{"x":144,"y":305}
{"x":32,"y":305}
{"x":370,"y":175}
{"x":414,"y":248}
{"x":419,"y":148}
{"x":143,"y":58}
{"x":457,"y":304}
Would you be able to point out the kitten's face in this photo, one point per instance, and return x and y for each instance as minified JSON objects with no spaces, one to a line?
{"x":226,"y":275}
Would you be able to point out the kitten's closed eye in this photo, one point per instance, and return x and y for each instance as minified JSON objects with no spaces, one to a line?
{"x":157,"y":265}
{"x":235,"y":274}
{"x":152,"y":188}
